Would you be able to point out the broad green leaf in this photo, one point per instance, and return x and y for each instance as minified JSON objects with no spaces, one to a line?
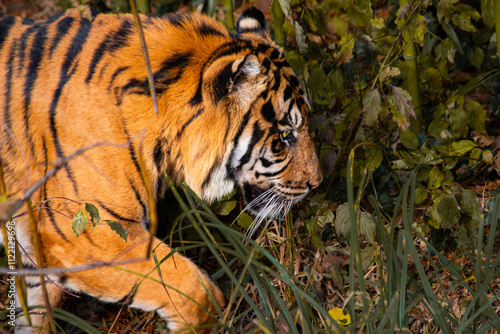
{"x":435,"y":219}
{"x":435,"y":178}
{"x":448,"y":211}
{"x":357,"y":17}
{"x":459,"y":122}
{"x":388,"y":72}
{"x":433,"y":79}
{"x":224,"y":208}
{"x":374,"y":157}
{"x":313,"y":229}
{"x":326,"y":218}
{"x":409,"y":140}
{"x":475,"y":156}
{"x":477,"y":116}
{"x":94,"y":214}
{"x":367,"y":226}
{"x":488,"y":13}
{"x":488,"y":157}
{"x":470,"y":205}
{"x":420,"y":195}
{"x":245,"y":220}
{"x":445,"y":50}
{"x":301,"y":38}
{"x":79,"y":223}
{"x":372,"y":107}
{"x":286,"y":8}
{"x":367,"y":257}
{"x":462,"y":147}
{"x":437,"y":126}
{"x":316,"y":81}
{"x":342,"y":221}
{"x":335,"y":82}
{"x":477,"y":57}
{"x":118,"y":228}
{"x":403,"y":108}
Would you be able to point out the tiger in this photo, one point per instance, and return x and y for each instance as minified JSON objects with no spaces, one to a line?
{"x":231,"y":114}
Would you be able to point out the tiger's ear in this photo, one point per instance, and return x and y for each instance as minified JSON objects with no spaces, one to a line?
{"x":246,"y":83}
{"x":252,"y":21}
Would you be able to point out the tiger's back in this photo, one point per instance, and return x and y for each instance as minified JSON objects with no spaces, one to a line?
{"x":75,"y":96}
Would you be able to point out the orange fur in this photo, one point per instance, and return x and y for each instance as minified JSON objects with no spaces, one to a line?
{"x":77,"y":83}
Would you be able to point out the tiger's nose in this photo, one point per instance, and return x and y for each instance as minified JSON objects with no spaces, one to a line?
{"x":315,"y":182}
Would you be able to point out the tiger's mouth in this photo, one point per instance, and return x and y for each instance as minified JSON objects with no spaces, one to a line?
{"x":269,"y":203}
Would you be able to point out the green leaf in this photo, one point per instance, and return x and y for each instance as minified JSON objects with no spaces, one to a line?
{"x":79,"y":223}
{"x":477,"y":57}
{"x":357,"y":17}
{"x":313,"y":229}
{"x":459,"y":122}
{"x":94,"y":214}
{"x":462,"y":20}
{"x":224,"y":208}
{"x":388,"y":72}
{"x":316,"y":81}
{"x":374,"y":157}
{"x":245,"y":220}
{"x":435,"y":179}
{"x":475,"y":156}
{"x":477,"y":116}
{"x":488,"y":13}
{"x":433,"y":79}
{"x":409,"y":140}
{"x":448,"y":211}
{"x":462,"y":147}
{"x":372,"y":107}
{"x":488,"y":157}
{"x":301,"y":38}
{"x":420,"y":195}
{"x":367,"y":226}
{"x":403,"y":108}
{"x":470,"y":205}
{"x":342,"y":221}
{"x":335,"y":82}
{"x":118,"y":228}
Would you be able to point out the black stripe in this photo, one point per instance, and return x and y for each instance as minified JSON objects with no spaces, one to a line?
{"x":5,"y":25}
{"x":272,"y":174}
{"x":177,"y":19}
{"x":128,"y":299}
{"x":209,"y":175}
{"x":159,"y":154}
{"x":27,"y":22}
{"x":36,"y":55}
{"x":69,"y":59}
{"x":63,"y":27}
{"x":22,"y":47}
{"x":111,"y":43}
{"x":257,"y":134}
{"x":168,"y":74}
{"x":115,"y":214}
{"x":229,"y":48}
{"x":54,"y":224}
{"x":189,"y":121}
{"x":243,"y":124}
{"x":220,"y":85}
{"x":115,"y":74}
{"x":268,"y":112}
{"x":139,"y":199}
{"x":208,"y":30}
{"x":8,"y":87}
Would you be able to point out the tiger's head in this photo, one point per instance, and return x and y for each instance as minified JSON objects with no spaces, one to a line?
{"x":270,"y":153}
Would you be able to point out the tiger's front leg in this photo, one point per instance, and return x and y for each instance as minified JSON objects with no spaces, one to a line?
{"x":176,"y":289}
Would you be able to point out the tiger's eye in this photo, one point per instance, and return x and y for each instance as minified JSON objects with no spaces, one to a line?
{"x":285,"y":133}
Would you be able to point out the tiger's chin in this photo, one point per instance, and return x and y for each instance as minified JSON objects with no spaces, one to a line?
{"x":268,"y":204}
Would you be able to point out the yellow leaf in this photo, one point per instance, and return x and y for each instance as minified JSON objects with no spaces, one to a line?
{"x":339,"y":316}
